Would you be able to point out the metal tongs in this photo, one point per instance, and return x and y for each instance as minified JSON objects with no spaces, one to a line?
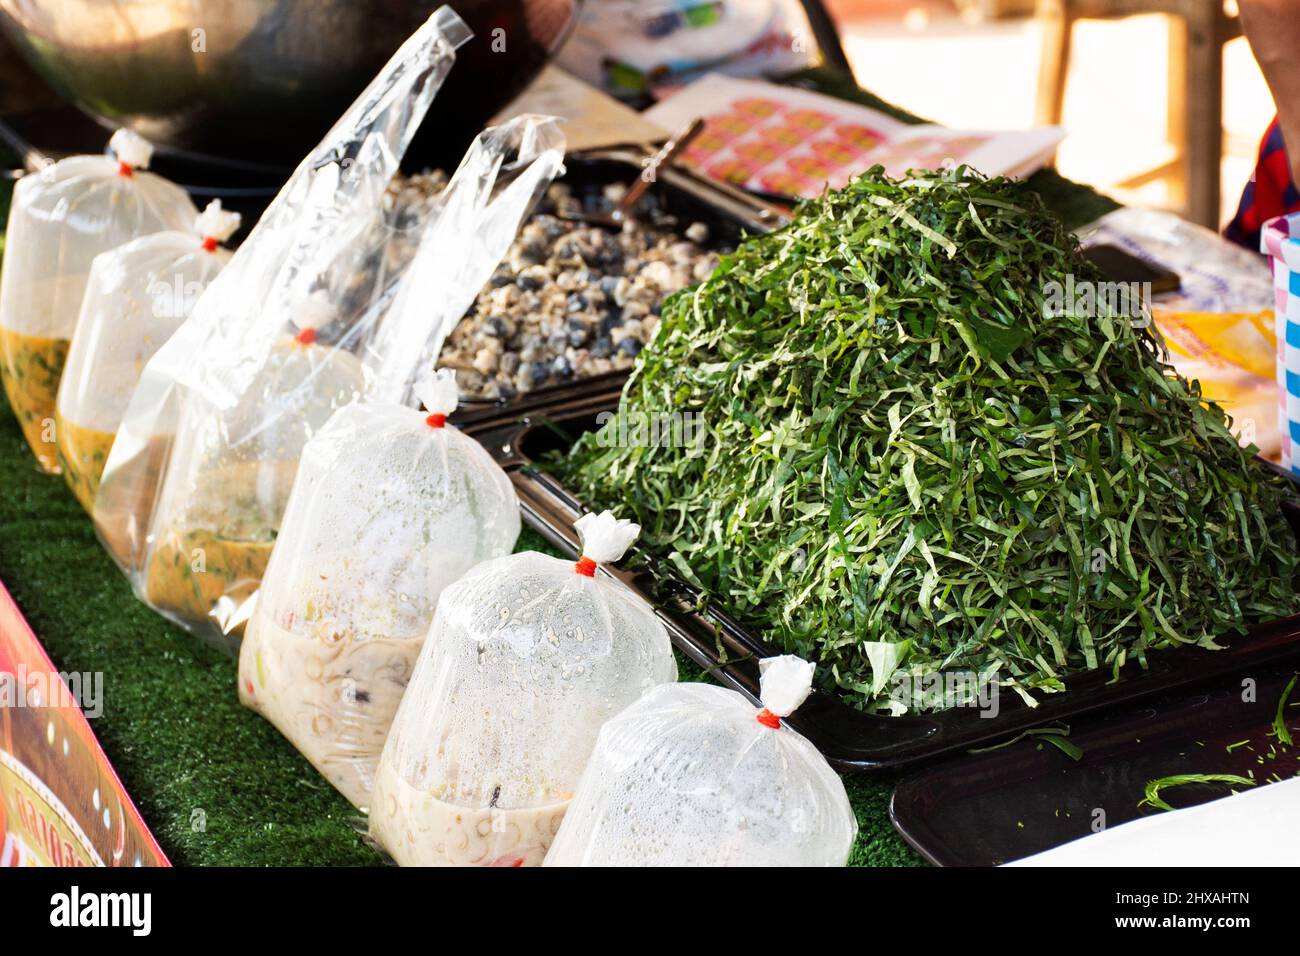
{"x":622,"y":212}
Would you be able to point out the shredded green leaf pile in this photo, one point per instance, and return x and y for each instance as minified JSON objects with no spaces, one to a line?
{"x":903,"y":463}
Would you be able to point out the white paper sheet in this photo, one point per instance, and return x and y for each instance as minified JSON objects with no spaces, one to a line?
{"x":1259,"y":826}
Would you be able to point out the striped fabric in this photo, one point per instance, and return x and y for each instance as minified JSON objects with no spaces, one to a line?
{"x":1270,"y":192}
{"x":1280,"y":241}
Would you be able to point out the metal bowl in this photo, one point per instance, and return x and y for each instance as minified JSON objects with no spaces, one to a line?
{"x":260,"y":81}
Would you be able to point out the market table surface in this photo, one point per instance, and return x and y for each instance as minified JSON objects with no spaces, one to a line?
{"x":216,"y":783}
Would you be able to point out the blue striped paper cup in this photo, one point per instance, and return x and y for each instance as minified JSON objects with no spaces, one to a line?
{"x":1280,"y":241}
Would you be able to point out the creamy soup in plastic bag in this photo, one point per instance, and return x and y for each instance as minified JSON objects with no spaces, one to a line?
{"x":527,"y":658}
{"x":390,"y":506}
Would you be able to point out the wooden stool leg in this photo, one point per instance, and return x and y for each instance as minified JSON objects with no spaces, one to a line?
{"x":1176,"y":112}
{"x":1054,"y":62}
{"x":1203,"y":86}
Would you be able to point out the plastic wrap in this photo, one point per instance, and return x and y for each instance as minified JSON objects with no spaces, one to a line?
{"x":527,"y":657}
{"x":1218,"y":323}
{"x":137,"y":296}
{"x":389,"y":507}
{"x":694,"y":775}
{"x":60,"y":220}
{"x":301,"y":323}
{"x":506,"y":171}
{"x":202,"y":464}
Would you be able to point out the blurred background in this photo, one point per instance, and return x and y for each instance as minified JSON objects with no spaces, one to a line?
{"x":1162,"y":101}
{"x":1126,"y":83}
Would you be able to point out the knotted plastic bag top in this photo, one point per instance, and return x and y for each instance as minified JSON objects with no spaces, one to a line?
{"x":391,"y":505}
{"x":138,"y":295}
{"x":70,"y":212}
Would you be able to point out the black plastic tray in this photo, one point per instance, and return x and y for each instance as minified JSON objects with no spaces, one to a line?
{"x":849,"y":738}
{"x":999,"y":806}
{"x":729,"y":213}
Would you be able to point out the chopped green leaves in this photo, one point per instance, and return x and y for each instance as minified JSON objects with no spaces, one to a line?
{"x":1057,"y":736}
{"x":902,"y":446}
{"x":1155,"y":787}
{"x":1280,"y":729}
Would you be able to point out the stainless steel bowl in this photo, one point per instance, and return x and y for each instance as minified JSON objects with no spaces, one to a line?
{"x":260,"y":81}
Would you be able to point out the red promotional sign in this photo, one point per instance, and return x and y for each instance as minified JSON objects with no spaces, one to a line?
{"x":61,"y":804}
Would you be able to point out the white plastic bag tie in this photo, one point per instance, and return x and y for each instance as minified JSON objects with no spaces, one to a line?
{"x":605,"y":539}
{"x":215,"y":225}
{"x":784,"y":683}
{"x":132,"y":150}
{"x":313,"y":312}
{"x":439,"y":395}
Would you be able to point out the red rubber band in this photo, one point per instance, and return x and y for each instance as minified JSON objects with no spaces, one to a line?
{"x":306,"y":336}
{"x":768,"y":719}
{"x":210,"y":244}
{"x":586,"y":566}
{"x":125,"y":169}
{"x":436,"y":421}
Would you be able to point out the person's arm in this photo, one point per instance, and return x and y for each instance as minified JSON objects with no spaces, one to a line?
{"x":1273,"y":29}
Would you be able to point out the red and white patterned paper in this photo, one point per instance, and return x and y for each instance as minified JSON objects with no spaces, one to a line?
{"x":788,"y":141}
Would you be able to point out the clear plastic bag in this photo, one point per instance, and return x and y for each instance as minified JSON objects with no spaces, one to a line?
{"x":227,"y":476}
{"x":137,"y":296}
{"x":60,"y":220}
{"x":389,"y":507}
{"x":693,"y":775}
{"x":304,"y":321}
{"x":528,"y":656}
{"x":204,"y":458}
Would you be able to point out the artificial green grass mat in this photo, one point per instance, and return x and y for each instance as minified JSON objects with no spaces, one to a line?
{"x":172,"y":724}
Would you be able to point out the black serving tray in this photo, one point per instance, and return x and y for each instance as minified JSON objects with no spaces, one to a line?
{"x":991,"y":808}
{"x":730,"y":214}
{"x":849,"y":738}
